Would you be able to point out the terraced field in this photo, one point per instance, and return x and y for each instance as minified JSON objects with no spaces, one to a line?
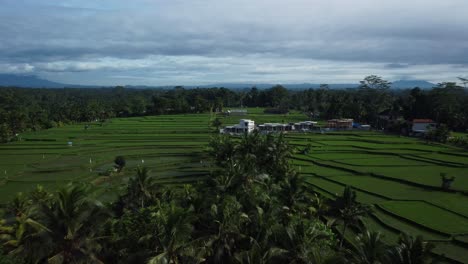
{"x":172,"y":147}
{"x":398,"y":176}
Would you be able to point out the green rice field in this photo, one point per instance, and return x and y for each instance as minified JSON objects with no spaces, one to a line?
{"x":398,"y":176}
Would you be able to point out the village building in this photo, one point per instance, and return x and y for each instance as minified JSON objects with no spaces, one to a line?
{"x":305,"y":125}
{"x":247,"y":126}
{"x":244,"y":126}
{"x":343,"y":123}
{"x":422,"y":125}
{"x":275,"y":127}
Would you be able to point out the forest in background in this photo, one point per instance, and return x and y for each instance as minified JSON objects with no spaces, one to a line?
{"x":34,"y":109}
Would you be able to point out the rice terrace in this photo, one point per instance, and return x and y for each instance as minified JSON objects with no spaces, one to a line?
{"x":399,"y":176}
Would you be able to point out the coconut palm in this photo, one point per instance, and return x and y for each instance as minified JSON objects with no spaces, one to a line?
{"x":174,"y":230}
{"x":258,"y":253}
{"x":370,"y":249}
{"x":227,"y":228}
{"x":292,"y":189}
{"x":411,"y":250}
{"x":318,"y":206}
{"x":348,"y":210}
{"x":73,"y":222}
{"x":144,"y":186}
{"x":303,"y":242}
{"x":25,"y":239}
{"x":351,"y":216}
{"x":141,"y":191}
{"x":23,"y":236}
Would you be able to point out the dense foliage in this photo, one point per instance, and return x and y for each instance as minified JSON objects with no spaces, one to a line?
{"x":254,"y":208}
{"x":33,"y":109}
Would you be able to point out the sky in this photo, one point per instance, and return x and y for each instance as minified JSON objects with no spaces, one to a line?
{"x":175,"y":42}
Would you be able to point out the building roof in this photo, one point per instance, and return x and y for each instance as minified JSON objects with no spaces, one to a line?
{"x":423,"y":121}
{"x":274,"y":124}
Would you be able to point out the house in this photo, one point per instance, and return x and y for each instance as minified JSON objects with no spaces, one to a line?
{"x":244,"y":126}
{"x":236,"y":112}
{"x":423,"y":125}
{"x":343,"y":123}
{"x":275,"y":127}
{"x":305,"y":125}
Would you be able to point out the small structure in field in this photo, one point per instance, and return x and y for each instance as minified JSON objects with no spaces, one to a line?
{"x":423,"y":125}
{"x":342,"y":123}
{"x":365,"y":127}
{"x":236,"y":112}
{"x":244,"y":126}
{"x":70,"y":143}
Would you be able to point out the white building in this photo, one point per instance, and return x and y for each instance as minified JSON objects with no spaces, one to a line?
{"x":423,"y":125}
{"x":244,"y":126}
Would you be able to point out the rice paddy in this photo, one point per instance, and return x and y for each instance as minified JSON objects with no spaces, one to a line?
{"x":398,"y":176}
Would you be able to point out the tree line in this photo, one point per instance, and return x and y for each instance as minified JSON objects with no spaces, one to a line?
{"x":253,"y":208}
{"x":33,"y":109}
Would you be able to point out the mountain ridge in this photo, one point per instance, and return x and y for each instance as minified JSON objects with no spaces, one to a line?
{"x":33,"y":81}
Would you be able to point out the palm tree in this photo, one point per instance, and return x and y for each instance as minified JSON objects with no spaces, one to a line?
{"x":174,"y":225}
{"x":145,"y":186}
{"x":370,"y":249}
{"x":258,"y":253}
{"x":23,"y":237}
{"x":349,"y":210}
{"x":411,"y":250}
{"x":227,"y":228}
{"x":292,"y":189}
{"x":302,"y":242}
{"x":73,"y":222}
{"x":318,"y":206}
{"x":351,"y":216}
{"x":141,"y":190}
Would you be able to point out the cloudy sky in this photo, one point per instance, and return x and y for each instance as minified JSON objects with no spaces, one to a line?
{"x":172,"y":42}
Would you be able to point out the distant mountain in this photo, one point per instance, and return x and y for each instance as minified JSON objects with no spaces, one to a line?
{"x":32,"y":81}
{"x":404,"y":84}
{"x":298,"y":86}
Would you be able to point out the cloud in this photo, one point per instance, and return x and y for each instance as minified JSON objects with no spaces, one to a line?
{"x":233,"y":39}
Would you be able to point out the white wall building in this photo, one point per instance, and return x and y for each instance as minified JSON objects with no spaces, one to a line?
{"x":423,"y":125}
{"x":244,"y":126}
